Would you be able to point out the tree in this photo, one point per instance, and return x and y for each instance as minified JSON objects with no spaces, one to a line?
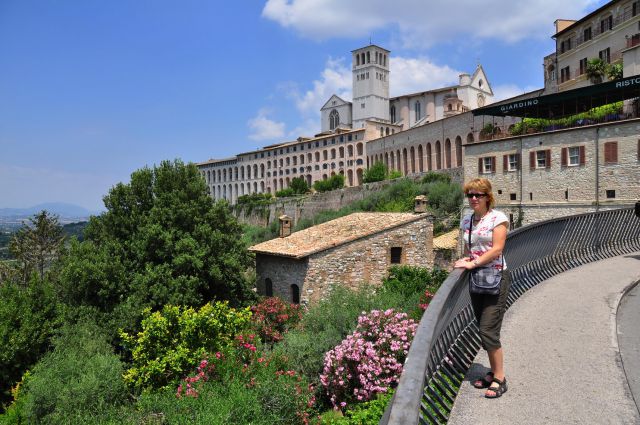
{"x":37,"y":244}
{"x":596,"y":70}
{"x":161,"y":241}
{"x":376,"y":173}
{"x":334,"y":182}
{"x":614,"y":71}
{"x":299,"y":185}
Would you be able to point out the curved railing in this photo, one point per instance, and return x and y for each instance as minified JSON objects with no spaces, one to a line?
{"x":447,"y":341}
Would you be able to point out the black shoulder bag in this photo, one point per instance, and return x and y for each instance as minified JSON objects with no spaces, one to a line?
{"x":484,"y":280}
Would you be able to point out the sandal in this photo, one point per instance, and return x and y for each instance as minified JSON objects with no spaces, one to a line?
{"x":481,"y":383}
{"x":499,"y":390}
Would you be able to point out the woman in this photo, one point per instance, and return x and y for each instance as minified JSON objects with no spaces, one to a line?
{"x":484,"y":249}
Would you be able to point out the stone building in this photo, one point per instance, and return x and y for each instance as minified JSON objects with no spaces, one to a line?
{"x":346,"y":128}
{"x":610,"y":33}
{"x":303,"y":266}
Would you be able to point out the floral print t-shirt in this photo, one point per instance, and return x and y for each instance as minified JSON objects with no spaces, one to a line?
{"x":482,"y":235}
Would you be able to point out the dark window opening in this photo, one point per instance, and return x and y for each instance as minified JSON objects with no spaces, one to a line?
{"x":566,"y":194}
{"x":512,"y":196}
{"x":268,"y":287}
{"x":295,"y":294}
{"x":499,"y":191}
{"x":396,"y":255}
{"x":611,"y":194}
{"x":531,"y":196}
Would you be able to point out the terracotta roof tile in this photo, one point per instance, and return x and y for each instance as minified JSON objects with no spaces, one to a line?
{"x":333,"y":233}
{"x":447,"y":241}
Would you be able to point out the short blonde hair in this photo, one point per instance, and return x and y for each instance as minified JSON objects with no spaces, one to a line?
{"x":481,"y":185}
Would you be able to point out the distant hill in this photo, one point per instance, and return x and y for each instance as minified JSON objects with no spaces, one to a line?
{"x":65,"y":211}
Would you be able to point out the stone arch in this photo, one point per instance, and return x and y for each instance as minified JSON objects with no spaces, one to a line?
{"x":447,"y":153}
{"x":412,"y":152}
{"x":359,"y":149}
{"x":268,"y":287}
{"x":405,"y":161}
{"x":420,"y":159}
{"x":458,"y":151}
{"x":429,"y":158}
{"x":470,"y":138}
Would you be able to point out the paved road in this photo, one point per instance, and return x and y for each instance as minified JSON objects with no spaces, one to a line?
{"x":628,"y":321}
{"x":562,"y":359}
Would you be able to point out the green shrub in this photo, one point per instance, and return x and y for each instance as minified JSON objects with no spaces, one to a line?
{"x":299,"y":185}
{"x":173,"y":341}
{"x":334,"y":182}
{"x":369,"y":412}
{"x":28,"y":318}
{"x":285,"y":193}
{"x":80,"y":376}
{"x":433,"y":177}
{"x":376,"y":173}
{"x":394,"y":174}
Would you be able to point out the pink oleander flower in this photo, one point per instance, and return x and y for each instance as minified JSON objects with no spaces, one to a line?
{"x":368,"y":361}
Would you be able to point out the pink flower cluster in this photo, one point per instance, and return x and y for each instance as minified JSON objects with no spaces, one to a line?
{"x":368,"y":361}
{"x":273,"y":317}
{"x":425,"y":299}
{"x":191,"y":384}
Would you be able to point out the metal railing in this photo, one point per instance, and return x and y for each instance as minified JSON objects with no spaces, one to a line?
{"x":447,"y":340}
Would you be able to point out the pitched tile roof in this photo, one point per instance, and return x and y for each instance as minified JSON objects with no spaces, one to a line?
{"x":333,"y":233}
{"x":448,"y":240}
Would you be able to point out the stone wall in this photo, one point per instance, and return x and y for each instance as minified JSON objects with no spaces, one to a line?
{"x":308,"y":206}
{"x":363,"y":260}
{"x":559,"y":189}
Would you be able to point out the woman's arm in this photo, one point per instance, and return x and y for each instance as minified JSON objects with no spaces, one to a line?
{"x":499,"y":239}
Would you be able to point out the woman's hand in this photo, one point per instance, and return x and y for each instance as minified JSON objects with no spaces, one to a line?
{"x":464,"y":263}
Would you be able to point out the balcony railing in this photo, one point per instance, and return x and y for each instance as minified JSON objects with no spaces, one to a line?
{"x":447,"y":340}
{"x":599,"y":29}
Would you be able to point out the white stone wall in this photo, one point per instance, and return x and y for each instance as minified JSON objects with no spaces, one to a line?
{"x":563,"y":190}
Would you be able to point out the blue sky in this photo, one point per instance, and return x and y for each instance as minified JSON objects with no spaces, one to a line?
{"x":91,"y":90}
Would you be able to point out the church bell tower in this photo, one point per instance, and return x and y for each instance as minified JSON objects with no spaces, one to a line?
{"x":370,"y":85}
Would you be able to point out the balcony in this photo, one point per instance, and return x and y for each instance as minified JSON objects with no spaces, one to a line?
{"x":634,"y":40}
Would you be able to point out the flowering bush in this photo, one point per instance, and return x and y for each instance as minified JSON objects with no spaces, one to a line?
{"x":272,"y":318}
{"x":425,"y":299}
{"x":174,"y":340}
{"x":279,"y":391}
{"x":369,"y":361}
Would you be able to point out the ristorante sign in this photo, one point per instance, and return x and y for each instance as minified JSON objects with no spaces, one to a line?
{"x":569,"y":101}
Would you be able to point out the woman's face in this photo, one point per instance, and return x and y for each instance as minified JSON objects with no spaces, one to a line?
{"x":477,"y":200}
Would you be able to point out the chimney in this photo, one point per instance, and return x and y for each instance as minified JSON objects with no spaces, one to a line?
{"x":420,"y":205}
{"x":285,"y":225}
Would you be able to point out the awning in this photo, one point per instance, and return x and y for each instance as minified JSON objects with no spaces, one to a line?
{"x":568,"y":102}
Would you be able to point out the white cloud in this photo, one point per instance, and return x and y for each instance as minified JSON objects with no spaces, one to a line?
{"x":308,"y":128}
{"x":335,"y":79}
{"x":263,"y":128}
{"x":410,"y":75}
{"x":421,"y":24}
{"x":506,"y":91}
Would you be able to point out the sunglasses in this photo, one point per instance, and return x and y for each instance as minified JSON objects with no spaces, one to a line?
{"x":475,"y":195}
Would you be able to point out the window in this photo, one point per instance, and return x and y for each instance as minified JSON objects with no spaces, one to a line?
{"x":531,"y":196}
{"x":565,"y":74}
{"x":606,"y":24}
{"x":268,"y":288}
{"x":396,"y":255}
{"x":393,"y":114}
{"x":512,"y":196}
{"x":605,"y":55}
{"x":295,"y":294}
{"x":583,"y":66}
{"x":511,"y":162}
{"x":540,"y":159}
{"x":573,"y":156}
{"x":586,"y":34}
{"x":611,"y":194}
{"x":611,"y":153}
{"x":487,"y":165}
{"x":417,"y":110}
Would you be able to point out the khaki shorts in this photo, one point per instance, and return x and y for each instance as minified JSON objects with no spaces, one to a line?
{"x":489,"y":311}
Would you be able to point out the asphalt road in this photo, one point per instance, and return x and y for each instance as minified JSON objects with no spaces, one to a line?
{"x":628,"y":321}
{"x":562,"y":358}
